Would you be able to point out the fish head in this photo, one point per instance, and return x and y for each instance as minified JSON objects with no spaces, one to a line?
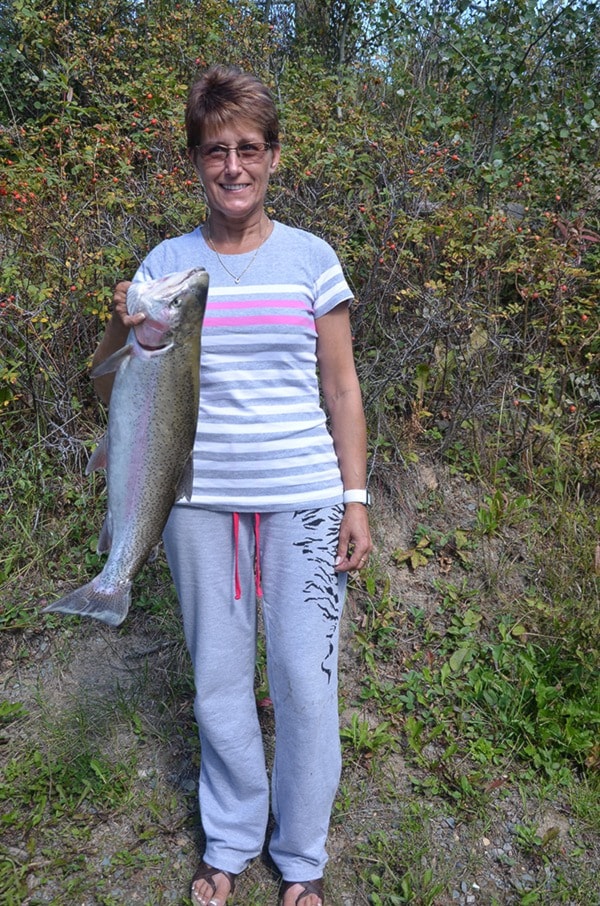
{"x":173,"y":306}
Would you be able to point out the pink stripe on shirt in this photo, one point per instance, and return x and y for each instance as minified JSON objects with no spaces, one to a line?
{"x":258,"y":320}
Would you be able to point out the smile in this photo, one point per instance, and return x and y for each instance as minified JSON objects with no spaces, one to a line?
{"x":235,"y":187}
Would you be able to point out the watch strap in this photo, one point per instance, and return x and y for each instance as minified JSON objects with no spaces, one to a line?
{"x":357,"y":495}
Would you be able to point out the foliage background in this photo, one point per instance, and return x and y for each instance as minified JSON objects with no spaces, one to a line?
{"x":449,"y":152}
{"x":451,"y":156}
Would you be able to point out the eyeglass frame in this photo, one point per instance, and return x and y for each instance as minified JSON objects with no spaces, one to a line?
{"x":259,"y":148}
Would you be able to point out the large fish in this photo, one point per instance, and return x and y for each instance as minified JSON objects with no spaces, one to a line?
{"x":147,"y":449}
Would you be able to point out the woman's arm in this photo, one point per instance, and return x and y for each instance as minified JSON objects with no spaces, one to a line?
{"x":343,"y":401}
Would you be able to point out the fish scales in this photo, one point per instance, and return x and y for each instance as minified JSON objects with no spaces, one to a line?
{"x":143,"y":400}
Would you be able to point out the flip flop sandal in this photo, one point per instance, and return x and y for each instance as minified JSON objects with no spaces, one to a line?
{"x":207,"y":873}
{"x":310,"y":887}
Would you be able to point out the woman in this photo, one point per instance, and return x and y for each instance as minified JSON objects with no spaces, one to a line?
{"x":279,"y":504}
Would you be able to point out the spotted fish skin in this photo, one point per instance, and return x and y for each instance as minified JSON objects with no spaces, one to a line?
{"x":147,"y":449}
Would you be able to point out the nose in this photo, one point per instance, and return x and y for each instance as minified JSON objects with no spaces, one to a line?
{"x":232,"y":161}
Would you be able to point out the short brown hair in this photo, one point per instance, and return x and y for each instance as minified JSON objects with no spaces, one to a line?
{"x":226,"y":93}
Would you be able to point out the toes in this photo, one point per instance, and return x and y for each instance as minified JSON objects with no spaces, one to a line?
{"x":200,"y":894}
{"x":204,"y":894}
{"x":297,"y":894}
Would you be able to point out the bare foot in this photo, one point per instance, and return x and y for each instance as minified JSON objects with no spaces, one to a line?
{"x":291,"y":894}
{"x":205,"y":893}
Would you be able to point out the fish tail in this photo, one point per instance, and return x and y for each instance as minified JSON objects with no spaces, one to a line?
{"x":109,"y":606}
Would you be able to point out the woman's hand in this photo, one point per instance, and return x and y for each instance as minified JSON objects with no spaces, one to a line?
{"x":120,"y":306}
{"x":354,"y":545}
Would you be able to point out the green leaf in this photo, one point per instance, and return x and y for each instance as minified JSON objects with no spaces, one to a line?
{"x":460,"y":656}
{"x":417,"y":558}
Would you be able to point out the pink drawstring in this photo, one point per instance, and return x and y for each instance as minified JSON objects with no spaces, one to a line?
{"x":236,"y":542}
{"x":236,"y":554}
{"x":257,"y":555}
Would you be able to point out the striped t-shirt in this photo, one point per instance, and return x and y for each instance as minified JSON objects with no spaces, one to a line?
{"x":262,"y":442}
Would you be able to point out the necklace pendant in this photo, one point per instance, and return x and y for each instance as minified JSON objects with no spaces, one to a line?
{"x":236,"y":279}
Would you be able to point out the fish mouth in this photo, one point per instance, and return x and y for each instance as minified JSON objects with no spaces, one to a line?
{"x":151,"y":336}
{"x":147,"y":348}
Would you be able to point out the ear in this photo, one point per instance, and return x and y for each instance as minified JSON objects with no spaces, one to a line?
{"x":275,"y":158}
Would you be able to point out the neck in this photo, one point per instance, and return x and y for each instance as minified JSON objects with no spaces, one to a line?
{"x":234,"y":238}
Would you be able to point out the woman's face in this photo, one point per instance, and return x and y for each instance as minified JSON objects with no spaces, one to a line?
{"x":235,"y":189}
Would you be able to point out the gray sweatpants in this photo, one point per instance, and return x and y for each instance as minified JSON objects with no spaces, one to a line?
{"x":218,"y":569}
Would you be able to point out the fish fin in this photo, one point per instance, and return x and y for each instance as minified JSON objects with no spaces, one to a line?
{"x":105,"y":539}
{"x":98,"y":458}
{"x":185,"y":485}
{"x":113,"y":362}
{"x":90,"y":601}
{"x":152,"y":556}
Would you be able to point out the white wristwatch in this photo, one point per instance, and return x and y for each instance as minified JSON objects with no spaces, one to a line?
{"x":357,"y":495}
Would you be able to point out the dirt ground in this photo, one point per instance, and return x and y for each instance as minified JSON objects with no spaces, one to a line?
{"x":128,"y":693}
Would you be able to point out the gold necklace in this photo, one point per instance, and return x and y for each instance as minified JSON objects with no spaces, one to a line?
{"x":236,"y":278}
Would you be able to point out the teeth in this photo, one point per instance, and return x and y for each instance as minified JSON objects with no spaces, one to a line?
{"x":234,"y":188}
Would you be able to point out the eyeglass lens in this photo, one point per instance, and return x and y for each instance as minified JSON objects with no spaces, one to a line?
{"x":249,"y":151}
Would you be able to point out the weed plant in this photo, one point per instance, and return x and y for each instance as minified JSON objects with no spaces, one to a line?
{"x":482,"y":695}
{"x":486,"y":694}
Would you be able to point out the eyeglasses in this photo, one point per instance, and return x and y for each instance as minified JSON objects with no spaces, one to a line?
{"x":248,"y":152}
